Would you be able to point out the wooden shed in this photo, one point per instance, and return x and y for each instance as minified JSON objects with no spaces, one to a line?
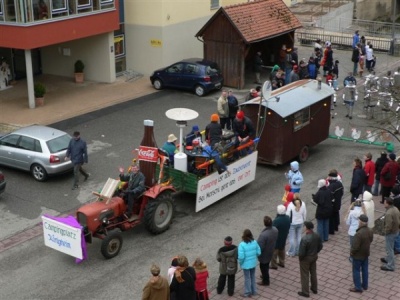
{"x":295,"y":118}
{"x":235,"y":33}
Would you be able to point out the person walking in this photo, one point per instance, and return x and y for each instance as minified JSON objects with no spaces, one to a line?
{"x":358,"y":180}
{"x":369,"y":169}
{"x":228,"y":265}
{"x":157,"y":287}
{"x":391,"y":226}
{"x":202,"y":275}
{"x":258,"y":63}
{"x":248,"y":252}
{"x":183,"y":283}
{"x":359,"y":252}
{"x":323,"y":199}
{"x":388,"y":176}
{"x":297,"y":213}
{"x":233,"y":109}
{"x":295,"y":177}
{"x":310,"y":246}
{"x":223,"y":109}
{"x":379,"y":164}
{"x":282,"y":223}
{"x":77,"y":153}
{"x":336,"y":188}
{"x":266,"y":241}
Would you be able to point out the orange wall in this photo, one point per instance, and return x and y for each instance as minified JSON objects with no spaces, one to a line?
{"x":35,"y":36}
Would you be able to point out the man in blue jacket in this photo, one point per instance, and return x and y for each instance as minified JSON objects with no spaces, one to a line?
{"x":77,"y":153}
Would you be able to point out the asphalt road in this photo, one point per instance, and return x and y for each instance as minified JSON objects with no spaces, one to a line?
{"x":33,"y":271}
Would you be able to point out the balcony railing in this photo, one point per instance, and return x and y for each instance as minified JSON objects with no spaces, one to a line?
{"x":34,"y":11}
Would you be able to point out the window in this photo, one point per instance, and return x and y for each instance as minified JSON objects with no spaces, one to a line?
{"x":177,"y":68}
{"x":191,"y":69}
{"x":58,"y":144}
{"x":214,"y":4}
{"x":27,"y":143}
{"x":10,"y":140}
{"x":301,"y":119}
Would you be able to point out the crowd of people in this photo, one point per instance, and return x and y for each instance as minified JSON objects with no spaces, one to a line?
{"x":268,"y":251}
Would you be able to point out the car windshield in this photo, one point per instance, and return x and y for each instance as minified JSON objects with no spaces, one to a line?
{"x":212,"y":70}
{"x":58,"y":144}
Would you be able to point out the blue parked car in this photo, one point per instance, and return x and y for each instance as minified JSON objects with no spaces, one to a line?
{"x":194,"y":74}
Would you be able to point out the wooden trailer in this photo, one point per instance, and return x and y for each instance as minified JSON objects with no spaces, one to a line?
{"x":293,"y":119}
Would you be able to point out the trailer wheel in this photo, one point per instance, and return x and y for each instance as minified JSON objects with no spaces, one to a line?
{"x":304,"y":154}
{"x":159,"y":213}
{"x":111,"y":244}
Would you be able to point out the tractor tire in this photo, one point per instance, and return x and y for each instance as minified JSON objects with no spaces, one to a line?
{"x":111,"y":244}
{"x":159,"y":213}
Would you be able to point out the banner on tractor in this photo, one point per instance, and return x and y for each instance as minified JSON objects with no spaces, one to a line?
{"x":216,"y":186}
{"x":64,"y":235}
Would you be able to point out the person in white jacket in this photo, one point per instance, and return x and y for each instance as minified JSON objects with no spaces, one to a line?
{"x":297,"y":213}
{"x":369,"y":206}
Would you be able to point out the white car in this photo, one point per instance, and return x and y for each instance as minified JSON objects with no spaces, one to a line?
{"x":38,"y":149}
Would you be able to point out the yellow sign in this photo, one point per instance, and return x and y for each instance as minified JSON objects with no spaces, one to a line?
{"x":156,"y":43}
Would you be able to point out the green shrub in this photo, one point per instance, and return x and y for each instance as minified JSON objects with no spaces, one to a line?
{"x":79,"y":66}
{"x":40,"y":90}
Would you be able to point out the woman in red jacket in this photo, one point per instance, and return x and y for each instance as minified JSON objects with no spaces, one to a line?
{"x":388,"y":176}
{"x":200,"y":284}
{"x":369,"y":169}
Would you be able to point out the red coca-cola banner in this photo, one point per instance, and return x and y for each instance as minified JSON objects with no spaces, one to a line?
{"x":148,"y":153}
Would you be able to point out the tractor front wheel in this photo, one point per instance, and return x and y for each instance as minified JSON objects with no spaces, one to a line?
{"x":111,"y":244}
{"x":159,"y":213}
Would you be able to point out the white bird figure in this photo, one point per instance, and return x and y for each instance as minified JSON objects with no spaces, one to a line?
{"x":338,"y":131}
{"x":370,"y":137}
{"x":355,"y":134}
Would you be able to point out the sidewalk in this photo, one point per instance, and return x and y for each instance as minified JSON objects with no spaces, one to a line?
{"x":334,"y":271}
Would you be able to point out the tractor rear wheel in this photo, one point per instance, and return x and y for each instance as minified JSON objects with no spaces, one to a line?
{"x":159,"y":213}
{"x":111,"y":244}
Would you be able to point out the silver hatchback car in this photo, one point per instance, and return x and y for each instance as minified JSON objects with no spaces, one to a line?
{"x":38,"y":149}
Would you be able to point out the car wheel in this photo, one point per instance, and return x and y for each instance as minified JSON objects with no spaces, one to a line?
{"x":157,"y":84}
{"x":199,"y":90}
{"x":38,"y":172}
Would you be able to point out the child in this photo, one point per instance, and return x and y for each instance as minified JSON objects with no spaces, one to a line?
{"x":172,"y":268}
{"x":329,"y":78}
{"x":312,"y":68}
{"x":361,"y":64}
{"x":335,"y":69}
{"x":227,"y":257}
{"x":200,"y":284}
{"x":285,"y":194}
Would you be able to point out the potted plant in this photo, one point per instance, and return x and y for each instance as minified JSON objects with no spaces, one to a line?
{"x":39,"y":91}
{"x":79,"y":67}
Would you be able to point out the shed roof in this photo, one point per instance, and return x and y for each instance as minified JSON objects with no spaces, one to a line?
{"x":258,"y":20}
{"x":294,"y":97}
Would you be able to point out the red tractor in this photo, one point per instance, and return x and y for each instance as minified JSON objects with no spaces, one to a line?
{"x":106,"y":219}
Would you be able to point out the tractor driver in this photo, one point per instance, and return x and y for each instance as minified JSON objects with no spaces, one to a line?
{"x":135,"y":188}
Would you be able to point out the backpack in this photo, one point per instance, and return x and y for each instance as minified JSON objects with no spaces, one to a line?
{"x":231,"y":265}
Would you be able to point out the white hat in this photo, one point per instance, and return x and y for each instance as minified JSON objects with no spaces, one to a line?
{"x":327,"y":44}
{"x":321,"y":183}
{"x":172,"y":138}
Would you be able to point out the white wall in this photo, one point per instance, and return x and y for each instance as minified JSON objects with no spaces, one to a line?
{"x":95,"y":52}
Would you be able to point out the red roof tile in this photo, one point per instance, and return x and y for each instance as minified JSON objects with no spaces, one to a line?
{"x":261,"y":19}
